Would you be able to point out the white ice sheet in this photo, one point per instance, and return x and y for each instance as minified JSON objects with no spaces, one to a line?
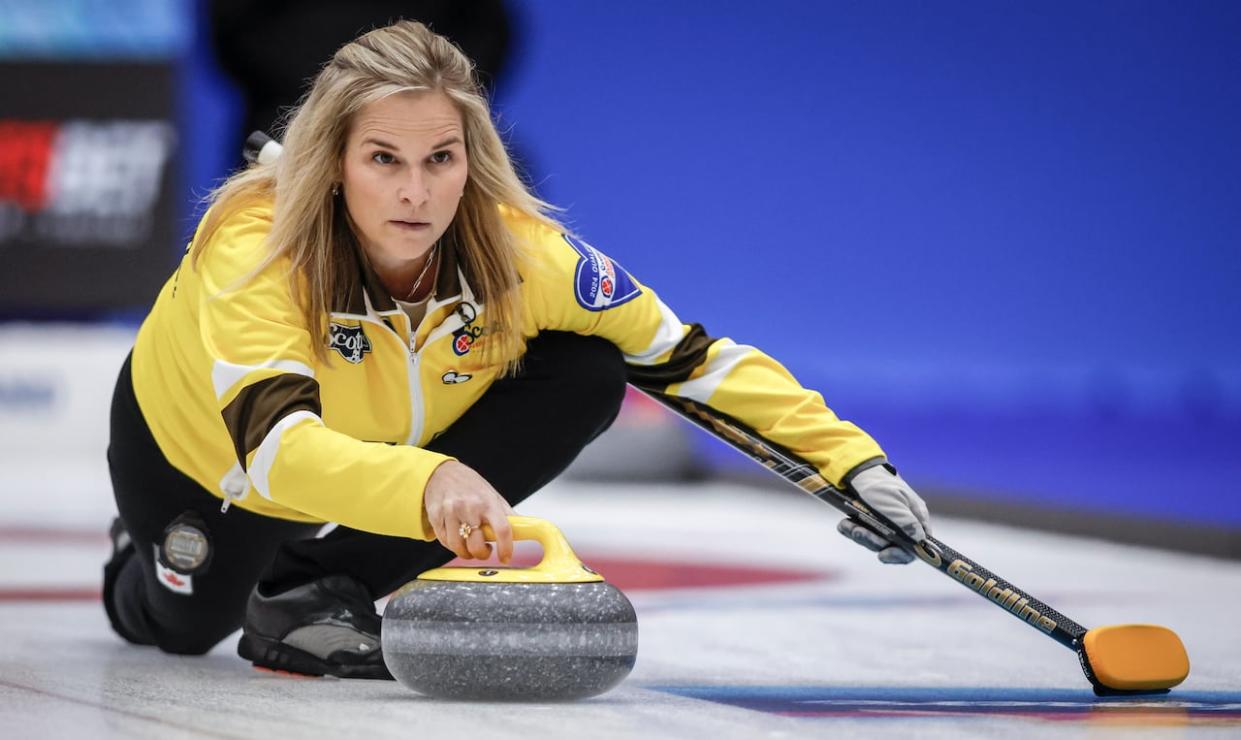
{"x":871,"y":650}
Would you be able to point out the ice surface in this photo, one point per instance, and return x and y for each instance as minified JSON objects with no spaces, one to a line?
{"x":866,"y":650}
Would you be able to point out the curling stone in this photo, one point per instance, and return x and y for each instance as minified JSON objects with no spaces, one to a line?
{"x":552,"y":632}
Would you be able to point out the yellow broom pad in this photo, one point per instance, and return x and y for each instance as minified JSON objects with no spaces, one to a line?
{"x":1136,"y":657}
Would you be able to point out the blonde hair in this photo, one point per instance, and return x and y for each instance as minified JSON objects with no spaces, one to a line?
{"x":309,"y":224}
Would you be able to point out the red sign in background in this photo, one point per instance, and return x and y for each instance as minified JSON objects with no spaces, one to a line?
{"x":88,"y":186}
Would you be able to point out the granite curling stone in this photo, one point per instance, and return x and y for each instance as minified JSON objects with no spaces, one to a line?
{"x":552,"y":632}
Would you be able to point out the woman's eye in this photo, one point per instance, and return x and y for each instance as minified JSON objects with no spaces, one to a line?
{"x":383,"y":158}
{"x":441,"y":157}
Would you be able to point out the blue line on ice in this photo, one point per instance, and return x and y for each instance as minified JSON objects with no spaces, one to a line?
{"x":829,"y":701}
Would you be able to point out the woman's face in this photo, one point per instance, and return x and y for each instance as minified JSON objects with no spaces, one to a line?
{"x":404,"y":169}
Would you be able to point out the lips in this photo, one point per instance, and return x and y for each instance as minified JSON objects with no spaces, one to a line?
{"x":411,"y":225}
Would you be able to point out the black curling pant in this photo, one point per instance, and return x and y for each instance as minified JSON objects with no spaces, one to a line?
{"x":522,"y":433}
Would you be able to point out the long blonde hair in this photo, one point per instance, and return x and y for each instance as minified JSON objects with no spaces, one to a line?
{"x":309,"y":224}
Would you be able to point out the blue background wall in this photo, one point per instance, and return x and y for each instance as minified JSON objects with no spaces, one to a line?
{"x":1001,"y":189}
{"x":1002,"y":237}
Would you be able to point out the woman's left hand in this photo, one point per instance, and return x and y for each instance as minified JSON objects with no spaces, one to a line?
{"x":889,"y":495}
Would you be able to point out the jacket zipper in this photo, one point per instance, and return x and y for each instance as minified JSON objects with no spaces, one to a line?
{"x":416,"y":419}
{"x":416,"y":416}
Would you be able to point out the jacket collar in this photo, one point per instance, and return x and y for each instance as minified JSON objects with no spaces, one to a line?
{"x":359,"y":287}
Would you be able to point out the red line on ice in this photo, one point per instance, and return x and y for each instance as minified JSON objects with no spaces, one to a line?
{"x":54,"y":535}
{"x":30,"y":595}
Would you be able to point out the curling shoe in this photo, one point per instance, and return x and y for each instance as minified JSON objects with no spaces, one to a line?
{"x":122,"y":552}
{"x":122,"y":544}
{"x":325,"y":628}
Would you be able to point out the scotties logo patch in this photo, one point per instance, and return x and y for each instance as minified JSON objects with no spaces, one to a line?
{"x":599,"y":283}
{"x":464,"y":338}
{"x":349,"y":341}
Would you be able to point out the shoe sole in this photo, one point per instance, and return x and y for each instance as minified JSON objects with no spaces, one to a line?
{"x":276,"y":656}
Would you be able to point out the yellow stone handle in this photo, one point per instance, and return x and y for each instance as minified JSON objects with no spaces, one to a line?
{"x":559,"y":564}
{"x":557,"y":554}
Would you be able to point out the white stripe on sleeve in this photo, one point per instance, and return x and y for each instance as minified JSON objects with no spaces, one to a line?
{"x":265,"y":456}
{"x":224,"y":375}
{"x":718,"y":367}
{"x":667,"y":337}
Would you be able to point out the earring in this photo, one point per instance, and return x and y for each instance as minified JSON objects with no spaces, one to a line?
{"x":335,"y":189}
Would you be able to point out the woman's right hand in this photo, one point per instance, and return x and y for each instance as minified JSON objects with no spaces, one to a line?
{"x":456,"y":495}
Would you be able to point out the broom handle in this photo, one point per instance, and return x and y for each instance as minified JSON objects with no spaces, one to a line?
{"x":931,"y":551}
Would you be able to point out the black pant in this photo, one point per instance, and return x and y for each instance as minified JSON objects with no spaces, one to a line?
{"x":522,"y":433}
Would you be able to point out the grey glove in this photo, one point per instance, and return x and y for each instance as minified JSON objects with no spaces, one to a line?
{"x":891,"y":496}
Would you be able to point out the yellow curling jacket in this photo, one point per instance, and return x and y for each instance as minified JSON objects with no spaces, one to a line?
{"x":229,"y":384}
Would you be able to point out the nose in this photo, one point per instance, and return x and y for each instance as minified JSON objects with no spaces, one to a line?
{"x":414,"y":190}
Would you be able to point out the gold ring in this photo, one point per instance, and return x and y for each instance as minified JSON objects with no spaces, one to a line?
{"x":465,"y":530}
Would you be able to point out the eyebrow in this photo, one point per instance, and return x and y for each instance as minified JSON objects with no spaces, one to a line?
{"x":447,"y":142}
{"x":379,"y":142}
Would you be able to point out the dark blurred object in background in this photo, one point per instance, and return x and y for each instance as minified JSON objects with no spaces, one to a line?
{"x":89,"y":180}
{"x":272,"y":49}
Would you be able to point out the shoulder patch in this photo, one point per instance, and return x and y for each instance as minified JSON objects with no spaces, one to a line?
{"x":598,"y":282}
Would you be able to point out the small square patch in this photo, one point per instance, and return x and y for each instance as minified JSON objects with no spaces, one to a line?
{"x":178,"y":583}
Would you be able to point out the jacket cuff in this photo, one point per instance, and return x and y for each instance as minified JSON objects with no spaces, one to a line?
{"x":874,"y":462}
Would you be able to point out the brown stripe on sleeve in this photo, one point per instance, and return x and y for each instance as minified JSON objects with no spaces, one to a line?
{"x":689,"y":353}
{"x":258,"y":408}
